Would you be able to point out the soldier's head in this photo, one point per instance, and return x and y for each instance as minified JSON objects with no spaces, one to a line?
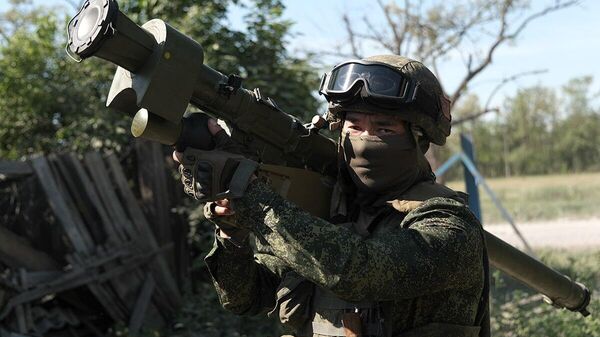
{"x":390,"y":108}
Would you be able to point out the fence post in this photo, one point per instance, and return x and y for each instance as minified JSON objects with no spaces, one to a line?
{"x":466,"y":144}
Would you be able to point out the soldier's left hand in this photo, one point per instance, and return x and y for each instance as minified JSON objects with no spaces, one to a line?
{"x":217,"y":174}
{"x":221,"y":207}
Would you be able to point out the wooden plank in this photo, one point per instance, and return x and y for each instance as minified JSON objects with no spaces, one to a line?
{"x":99,"y":175}
{"x":162,"y":272}
{"x":123,"y":286}
{"x":81,"y":200}
{"x":153,"y":190}
{"x":21,"y":320}
{"x":14,"y":169}
{"x":72,"y":202}
{"x":17,"y":252}
{"x":103,"y":294}
{"x":68,"y":219}
{"x":90,"y":190}
{"x":141,"y":305}
{"x":59,"y":205}
{"x":126,"y":286}
{"x":158,"y":197}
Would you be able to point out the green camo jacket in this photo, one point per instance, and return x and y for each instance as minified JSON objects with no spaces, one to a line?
{"x":425,"y":264}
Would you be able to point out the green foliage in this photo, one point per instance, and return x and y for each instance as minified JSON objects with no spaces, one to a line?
{"x":45,"y":103}
{"x":48,"y":103}
{"x":516,"y":311}
{"x":540,"y":132}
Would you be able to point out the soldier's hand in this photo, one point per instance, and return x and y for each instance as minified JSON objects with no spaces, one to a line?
{"x":222,"y":140}
{"x":220,"y":213}
{"x":217,"y":174}
{"x":222,"y":207}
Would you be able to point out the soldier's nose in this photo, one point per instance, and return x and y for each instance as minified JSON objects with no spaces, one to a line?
{"x":368,"y":133}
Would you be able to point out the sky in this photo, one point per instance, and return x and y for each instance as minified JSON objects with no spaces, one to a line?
{"x":565,"y":44}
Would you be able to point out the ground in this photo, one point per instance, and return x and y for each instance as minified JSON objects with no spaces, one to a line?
{"x":575,"y":234}
{"x":559,"y":211}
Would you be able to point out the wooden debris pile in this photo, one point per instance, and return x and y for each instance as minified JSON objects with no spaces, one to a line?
{"x":77,"y":253}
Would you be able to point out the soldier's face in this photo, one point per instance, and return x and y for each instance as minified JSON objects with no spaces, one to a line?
{"x":361,"y":124}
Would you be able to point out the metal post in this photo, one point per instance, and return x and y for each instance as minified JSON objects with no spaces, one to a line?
{"x":470,"y":181}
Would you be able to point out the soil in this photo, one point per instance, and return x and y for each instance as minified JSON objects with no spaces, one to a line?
{"x":563,"y":233}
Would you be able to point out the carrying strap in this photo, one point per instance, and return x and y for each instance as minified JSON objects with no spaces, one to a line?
{"x":483,"y":310}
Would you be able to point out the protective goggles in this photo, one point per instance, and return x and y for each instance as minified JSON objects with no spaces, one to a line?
{"x":373,"y":80}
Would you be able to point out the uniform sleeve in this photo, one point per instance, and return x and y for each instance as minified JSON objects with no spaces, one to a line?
{"x":245,"y":281}
{"x":442,"y":249}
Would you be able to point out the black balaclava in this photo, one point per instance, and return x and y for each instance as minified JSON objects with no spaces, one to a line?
{"x":381,"y":165}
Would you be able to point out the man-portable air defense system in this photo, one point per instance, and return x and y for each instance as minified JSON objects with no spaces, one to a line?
{"x":161,"y":72}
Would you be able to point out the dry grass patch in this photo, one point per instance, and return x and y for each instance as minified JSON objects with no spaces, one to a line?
{"x":548,"y":197}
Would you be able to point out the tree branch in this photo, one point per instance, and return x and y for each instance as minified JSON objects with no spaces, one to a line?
{"x":351,"y":36}
{"x":398,"y":37}
{"x":473,"y":116}
{"x":501,"y":37}
{"x":4,"y":36}
{"x":509,"y":79}
{"x":377,"y":37}
{"x":472,"y":72}
{"x":73,"y":3}
{"x":557,"y":6}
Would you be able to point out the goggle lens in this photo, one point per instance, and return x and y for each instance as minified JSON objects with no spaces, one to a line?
{"x":379,"y":79}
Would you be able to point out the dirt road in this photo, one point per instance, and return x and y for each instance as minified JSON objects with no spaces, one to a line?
{"x":572,"y":234}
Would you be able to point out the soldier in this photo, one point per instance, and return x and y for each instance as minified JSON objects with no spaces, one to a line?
{"x":399,"y":256}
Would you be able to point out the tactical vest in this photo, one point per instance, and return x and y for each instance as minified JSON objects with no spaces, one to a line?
{"x":315,"y":312}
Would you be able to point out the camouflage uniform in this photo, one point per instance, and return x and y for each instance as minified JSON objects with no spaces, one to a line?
{"x":416,"y":264}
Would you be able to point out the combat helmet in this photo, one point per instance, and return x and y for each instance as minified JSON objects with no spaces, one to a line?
{"x":389,"y":84}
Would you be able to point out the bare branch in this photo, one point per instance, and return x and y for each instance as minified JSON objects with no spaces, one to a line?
{"x":501,"y":37}
{"x":406,"y":28}
{"x":398,"y":37}
{"x":502,"y":83}
{"x":73,"y":3}
{"x":472,"y":72}
{"x":473,"y":116}
{"x":558,"y":5}
{"x":509,"y":79}
{"x":338,"y":54}
{"x":455,"y":39}
{"x":351,"y":36}
{"x":4,"y":36}
{"x":377,"y":37}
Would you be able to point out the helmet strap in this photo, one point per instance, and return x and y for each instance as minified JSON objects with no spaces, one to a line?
{"x":417,"y":133}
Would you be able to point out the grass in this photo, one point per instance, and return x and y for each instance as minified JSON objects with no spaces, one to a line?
{"x":517,"y":311}
{"x":548,"y":197}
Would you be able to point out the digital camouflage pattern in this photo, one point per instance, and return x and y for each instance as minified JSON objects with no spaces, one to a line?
{"x":424,"y":266}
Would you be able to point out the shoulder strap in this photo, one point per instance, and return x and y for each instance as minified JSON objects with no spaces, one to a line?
{"x":483,"y":310}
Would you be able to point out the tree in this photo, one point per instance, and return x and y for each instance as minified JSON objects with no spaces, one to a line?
{"x":577,"y":135}
{"x":529,"y":124}
{"x":45,"y":103}
{"x":48,"y":103}
{"x":431,"y":31}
